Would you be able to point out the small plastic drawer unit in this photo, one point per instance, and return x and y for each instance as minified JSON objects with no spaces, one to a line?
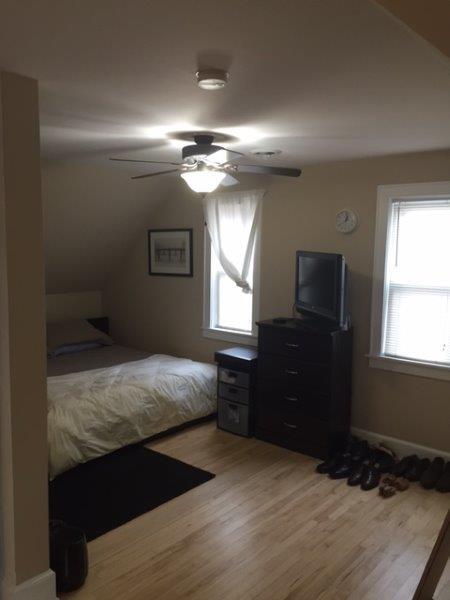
{"x":236,"y":385}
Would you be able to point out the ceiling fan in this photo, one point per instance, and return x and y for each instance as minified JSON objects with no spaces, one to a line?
{"x":205,"y":165}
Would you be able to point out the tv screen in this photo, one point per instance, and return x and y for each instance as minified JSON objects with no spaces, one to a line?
{"x":320,"y":285}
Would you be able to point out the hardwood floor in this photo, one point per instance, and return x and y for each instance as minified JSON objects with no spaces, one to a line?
{"x":268,"y":528}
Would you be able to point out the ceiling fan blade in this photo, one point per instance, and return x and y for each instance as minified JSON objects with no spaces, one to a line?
{"x":221,"y":155}
{"x":154,"y":162}
{"x":154,"y":174}
{"x":229,"y":180}
{"x":265,"y":170}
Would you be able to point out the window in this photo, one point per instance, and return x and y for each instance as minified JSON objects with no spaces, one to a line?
{"x":411,"y":291}
{"x":232,"y":282}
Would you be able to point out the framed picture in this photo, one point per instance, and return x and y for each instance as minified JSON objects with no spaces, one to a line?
{"x":170,"y":252}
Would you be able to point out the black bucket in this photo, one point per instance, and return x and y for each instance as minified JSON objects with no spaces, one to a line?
{"x":68,"y":556}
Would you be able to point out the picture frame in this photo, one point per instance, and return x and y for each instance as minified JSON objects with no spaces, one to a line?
{"x":170,"y":252}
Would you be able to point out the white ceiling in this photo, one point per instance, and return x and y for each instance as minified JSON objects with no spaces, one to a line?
{"x":319,"y":79}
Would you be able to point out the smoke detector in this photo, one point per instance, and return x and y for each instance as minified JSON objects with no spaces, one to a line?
{"x":212,"y":79}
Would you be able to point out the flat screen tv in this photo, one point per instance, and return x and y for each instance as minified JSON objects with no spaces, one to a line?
{"x":320,"y":286}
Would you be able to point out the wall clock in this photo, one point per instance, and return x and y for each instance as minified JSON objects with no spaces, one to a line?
{"x":346,"y":220}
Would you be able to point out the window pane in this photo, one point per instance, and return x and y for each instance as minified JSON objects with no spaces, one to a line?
{"x":417,"y":303}
{"x":234,"y":310}
{"x":231,"y":308}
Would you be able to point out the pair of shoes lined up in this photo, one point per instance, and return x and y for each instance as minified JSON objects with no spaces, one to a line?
{"x":431,"y":474}
{"x":391,"y":484}
{"x":360,"y":464}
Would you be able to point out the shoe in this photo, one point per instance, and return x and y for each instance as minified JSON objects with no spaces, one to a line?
{"x":332,"y":461}
{"x":343,"y":469}
{"x":386,"y":491}
{"x":360,"y":451}
{"x":329,"y":464}
{"x":417,"y":468}
{"x":383,"y":460}
{"x":400,"y":468}
{"x":356,"y":475}
{"x":370,"y":478}
{"x":431,"y":476}
{"x":443,"y":485}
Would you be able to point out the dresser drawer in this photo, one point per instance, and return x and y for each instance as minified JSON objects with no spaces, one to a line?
{"x":292,"y":424}
{"x":233,"y":417}
{"x":286,"y":399}
{"x":234,"y":377}
{"x":297,"y":375}
{"x":296,"y":344}
{"x":234,"y":393}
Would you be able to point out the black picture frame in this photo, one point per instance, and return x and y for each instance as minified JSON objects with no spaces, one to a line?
{"x":168,"y":255}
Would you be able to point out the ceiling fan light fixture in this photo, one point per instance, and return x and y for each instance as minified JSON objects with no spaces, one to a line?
{"x":212,"y":79}
{"x":203,"y":182}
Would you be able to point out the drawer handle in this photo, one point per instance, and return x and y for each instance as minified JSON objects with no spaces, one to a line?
{"x":232,"y":390}
{"x":291,"y":372}
{"x":231,"y":374}
{"x":292,"y":398}
{"x":290,"y":425}
{"x":291,"y":345}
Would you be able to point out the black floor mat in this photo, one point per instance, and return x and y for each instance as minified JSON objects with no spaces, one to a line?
{"x":108,"y":491}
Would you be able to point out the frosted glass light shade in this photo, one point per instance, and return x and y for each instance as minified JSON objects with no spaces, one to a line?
{"x":203,"y":182}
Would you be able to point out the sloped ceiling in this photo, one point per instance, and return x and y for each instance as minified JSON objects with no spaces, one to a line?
{"x":429,"y":18}
{"x":320,"y":80}
{"x":91,"y":215}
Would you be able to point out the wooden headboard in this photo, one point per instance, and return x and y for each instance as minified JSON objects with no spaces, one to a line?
{"x":100,"y":323}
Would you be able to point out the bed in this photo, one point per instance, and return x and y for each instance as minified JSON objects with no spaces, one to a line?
{"x":103,"y":396}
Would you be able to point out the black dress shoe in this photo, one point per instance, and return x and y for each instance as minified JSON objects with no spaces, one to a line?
{"x":417,"y":468}
{"x":329,"y":464}
{"x":443,"y":485}
{"x":343,"y":468}
{"x":356,"y":475}
{"x":370,"y":478}
{"x":431,"y":476}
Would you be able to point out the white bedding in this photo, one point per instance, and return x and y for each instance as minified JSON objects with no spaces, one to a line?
{"x":95,"y":412}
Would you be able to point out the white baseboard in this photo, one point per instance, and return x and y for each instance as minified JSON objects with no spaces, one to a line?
{"x":400,"y":447}
{"x":41,"y":587}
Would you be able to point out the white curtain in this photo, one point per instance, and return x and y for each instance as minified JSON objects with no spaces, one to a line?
{"x":232,"y":220}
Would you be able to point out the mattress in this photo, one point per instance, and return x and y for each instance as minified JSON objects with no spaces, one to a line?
{"x":96,"y":411}
{"x":98,"y":358}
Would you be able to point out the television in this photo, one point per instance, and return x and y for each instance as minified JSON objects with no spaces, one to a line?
{"x":320,"y":286}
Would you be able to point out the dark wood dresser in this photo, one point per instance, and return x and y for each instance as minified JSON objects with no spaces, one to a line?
{"x":304,"y":386}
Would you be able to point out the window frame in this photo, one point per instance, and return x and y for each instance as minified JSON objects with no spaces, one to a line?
{"x":386,"y":195}
{"x":227,"y":335}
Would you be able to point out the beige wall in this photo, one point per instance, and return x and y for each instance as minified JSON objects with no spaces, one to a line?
{"x":23,"y":387}
{"x":81,"y":305}
{"x":164,"y":314}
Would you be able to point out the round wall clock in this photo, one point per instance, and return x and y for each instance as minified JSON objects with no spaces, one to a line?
{"x":346,"y":220}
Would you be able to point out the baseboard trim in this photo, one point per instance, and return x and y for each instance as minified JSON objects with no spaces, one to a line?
{"x":41,"y":587}
{"x":400,"y":447}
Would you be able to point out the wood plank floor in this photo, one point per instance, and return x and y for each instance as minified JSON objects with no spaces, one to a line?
{"x":268,"y":528}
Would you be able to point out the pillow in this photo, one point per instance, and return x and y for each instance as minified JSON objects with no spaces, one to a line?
{"x":70,"y":348}
{"x":75,"y":331}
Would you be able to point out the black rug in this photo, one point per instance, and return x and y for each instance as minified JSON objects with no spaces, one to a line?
{"x":108,"y":491}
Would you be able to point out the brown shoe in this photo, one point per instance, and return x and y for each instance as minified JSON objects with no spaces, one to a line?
{"x":386,"y":491}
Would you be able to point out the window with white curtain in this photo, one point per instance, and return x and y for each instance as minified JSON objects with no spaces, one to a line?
{"x":411,"y":292}
{"x":232,"y":264}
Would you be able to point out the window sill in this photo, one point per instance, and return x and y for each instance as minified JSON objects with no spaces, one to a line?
{"x":420,"y":369}
{"x":230,"y":336}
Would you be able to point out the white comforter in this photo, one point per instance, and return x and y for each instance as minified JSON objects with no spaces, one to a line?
{"x":95,"y":412}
